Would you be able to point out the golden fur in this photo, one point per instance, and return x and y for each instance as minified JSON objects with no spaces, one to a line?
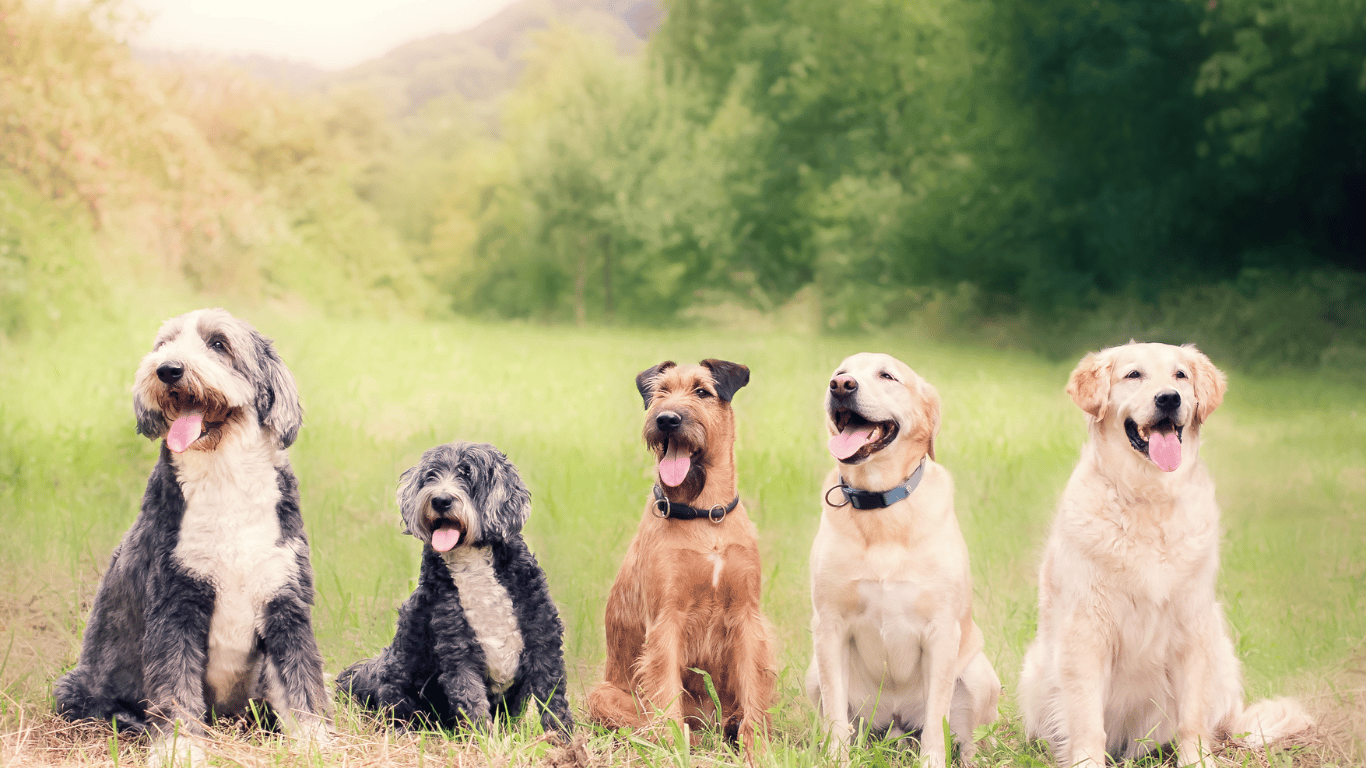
{"x":687,"y":595}
{"x":894,"y":641}
{"x":1132,"y":651}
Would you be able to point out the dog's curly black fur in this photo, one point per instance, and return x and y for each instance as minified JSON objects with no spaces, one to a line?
{"x":436,"y":671}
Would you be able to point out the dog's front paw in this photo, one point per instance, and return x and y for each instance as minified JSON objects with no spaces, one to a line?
{"x":837,"y":737}
{"x":932,"y":760}
{"x":315,"y":735}
{"x":176,"y":752}
{"x":1194,"y":752}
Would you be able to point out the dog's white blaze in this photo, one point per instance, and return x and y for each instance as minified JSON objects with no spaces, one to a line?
{"x":230,"y":537}
{"x":718,"y":561}
{"x":488,"y":609}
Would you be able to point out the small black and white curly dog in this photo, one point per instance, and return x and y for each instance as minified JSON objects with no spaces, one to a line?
{"x":207,"y":603}
{"x":480,"y":636}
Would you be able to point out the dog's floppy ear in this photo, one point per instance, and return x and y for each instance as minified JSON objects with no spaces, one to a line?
{"x":1089,"y":384}
{"x":645,"y":381}
{"x":729,"y":377}
{"x":409,"y":484}
{"x":930,"y":408}
{"x":496,"y":487}
{"x":1210,"y":383}
{"x":277,"y":398}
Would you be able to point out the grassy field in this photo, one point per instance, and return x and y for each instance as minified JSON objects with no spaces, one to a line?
{"x":1289,"y":454}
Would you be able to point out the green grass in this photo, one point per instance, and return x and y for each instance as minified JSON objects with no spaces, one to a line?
{"x":1288,"y":453}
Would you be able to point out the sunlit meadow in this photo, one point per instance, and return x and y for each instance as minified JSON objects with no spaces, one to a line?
{"x":1289,"y":454}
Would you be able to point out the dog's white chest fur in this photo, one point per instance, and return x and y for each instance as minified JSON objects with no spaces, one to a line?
{"x":889,"y":630}
{"x":230,"y":537}
{"x":488,"y":609}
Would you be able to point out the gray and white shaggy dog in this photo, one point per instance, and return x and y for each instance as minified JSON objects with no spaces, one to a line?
{"x":480,"y":636}
{"x":206,"y":606}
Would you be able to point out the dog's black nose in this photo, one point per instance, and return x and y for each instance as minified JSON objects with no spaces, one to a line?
{"x":442,"y":504}
{"x":1168,"y":400}
{"x":170,"y":372}
{"x":668,"y":421}
{"x":843,"y":385}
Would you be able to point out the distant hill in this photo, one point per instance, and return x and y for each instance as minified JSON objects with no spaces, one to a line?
{"x":480,"y":64}
{"x":483,"y":63}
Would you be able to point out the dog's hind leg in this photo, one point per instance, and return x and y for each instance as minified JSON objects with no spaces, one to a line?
{"x":974,"y":703}
{"x":76,"y":701}
{"x":294,"y":670}
{"x":613,"y":703}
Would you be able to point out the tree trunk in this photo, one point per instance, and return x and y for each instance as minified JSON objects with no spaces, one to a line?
{"x":580,"y":282}
{"x":607,"y":276}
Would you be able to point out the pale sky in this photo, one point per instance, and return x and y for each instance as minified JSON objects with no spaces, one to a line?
{"x":333,"y":34}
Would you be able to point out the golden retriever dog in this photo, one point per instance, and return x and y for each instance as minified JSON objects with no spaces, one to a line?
{"x":687,"y":596}
{"x":895,"y":643}
{"x":1132,"y":652}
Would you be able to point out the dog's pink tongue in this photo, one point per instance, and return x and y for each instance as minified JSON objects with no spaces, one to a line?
{"x":1165,"y":450}
{"x":673,"y":468}
{"x":184,"y":430}
{"x":444,"y":539}
{"x":847,"y":443}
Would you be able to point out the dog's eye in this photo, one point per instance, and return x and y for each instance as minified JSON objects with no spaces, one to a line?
{"x":1180,"y":374}
{"x":1133,"y":375}
{"x":888,"y":376}
{"x":218,"y":345}
{"x":701,"y":392}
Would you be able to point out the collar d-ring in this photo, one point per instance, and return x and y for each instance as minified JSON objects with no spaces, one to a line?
{"x":837,"y":487}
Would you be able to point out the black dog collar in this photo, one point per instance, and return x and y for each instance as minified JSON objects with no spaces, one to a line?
{"x":879,"y":499}
{"x":674,"y":511}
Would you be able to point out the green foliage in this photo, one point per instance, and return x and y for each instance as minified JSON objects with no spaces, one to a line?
{"x":45,"y":269}
{"x":1026,"y":171}
{"x":1049,"y":160}
{"x":204,"y":179}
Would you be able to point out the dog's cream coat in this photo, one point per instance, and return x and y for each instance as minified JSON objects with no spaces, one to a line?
{"x":894,"y":641}
{"x":1132,"y":652}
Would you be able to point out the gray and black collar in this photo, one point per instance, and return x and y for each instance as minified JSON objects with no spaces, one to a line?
{"x":860,"y":499}
{"x":672,"y":510}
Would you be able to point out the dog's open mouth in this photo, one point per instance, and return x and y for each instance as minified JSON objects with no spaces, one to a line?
{"x":189,"y":427}
{"x":447,"y":534}
{"x":859,"y":438}
{"x":675,"y":463}
{"x":1160,"y":442}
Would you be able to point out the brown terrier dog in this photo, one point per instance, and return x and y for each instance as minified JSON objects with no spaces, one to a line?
{"x":687,"y":595}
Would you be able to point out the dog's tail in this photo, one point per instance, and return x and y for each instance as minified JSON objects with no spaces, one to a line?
{"x":1269,"y":720}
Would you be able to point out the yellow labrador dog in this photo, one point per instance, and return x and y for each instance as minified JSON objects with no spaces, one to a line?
{"x":1132,"y":652}
{"x":895,"y":643}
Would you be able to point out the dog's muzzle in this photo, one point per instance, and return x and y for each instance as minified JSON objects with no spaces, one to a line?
{"x":448,"y":531}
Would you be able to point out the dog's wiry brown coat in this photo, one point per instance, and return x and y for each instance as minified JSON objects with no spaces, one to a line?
{"x":687,"y":595}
